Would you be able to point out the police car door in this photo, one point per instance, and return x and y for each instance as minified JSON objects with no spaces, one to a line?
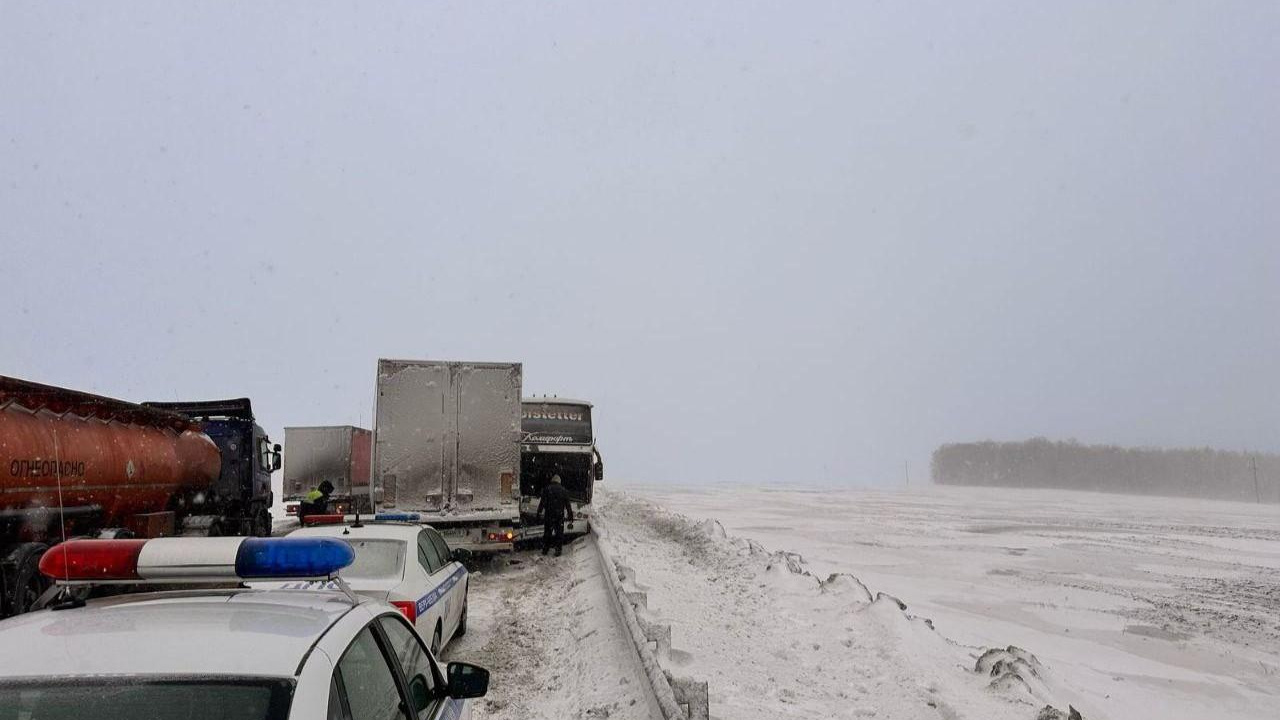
{"x":386,"y":674}
{"x":433,"y":608}
{"x":420,"y":671}
{"x":365,"y":685}
{"x":456,"y":581}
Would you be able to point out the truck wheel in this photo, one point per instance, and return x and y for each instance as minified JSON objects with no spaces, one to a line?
{"x":28,"y":583}
{"x":261,"y":523}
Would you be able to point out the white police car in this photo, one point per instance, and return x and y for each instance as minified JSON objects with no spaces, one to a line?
{"x":234,"y":654}
{"x":406,"y":564}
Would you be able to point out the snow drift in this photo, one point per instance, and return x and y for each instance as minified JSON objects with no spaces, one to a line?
{"x":772,"y":639}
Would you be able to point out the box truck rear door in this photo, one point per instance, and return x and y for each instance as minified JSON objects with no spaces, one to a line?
{"x":414,"y":418}
{"x":488,"y":436}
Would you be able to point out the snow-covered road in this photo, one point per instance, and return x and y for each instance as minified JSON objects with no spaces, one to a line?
{"x":1136,"y":607}
{"x":548,"y":631}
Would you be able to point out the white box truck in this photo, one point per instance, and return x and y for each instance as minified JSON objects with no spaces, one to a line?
{"x":447,"y":447}
{"x":337,"y":453}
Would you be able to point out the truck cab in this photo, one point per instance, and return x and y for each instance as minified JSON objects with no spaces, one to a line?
{"x":241,"y":498}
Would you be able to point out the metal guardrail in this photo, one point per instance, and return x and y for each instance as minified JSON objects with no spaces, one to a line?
{"x":679,"y":698}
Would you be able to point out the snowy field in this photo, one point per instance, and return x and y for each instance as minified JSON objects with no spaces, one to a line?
{"x":1135,"y":607}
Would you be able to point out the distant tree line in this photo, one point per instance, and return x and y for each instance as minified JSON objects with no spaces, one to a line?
{"x":1042,"y":463}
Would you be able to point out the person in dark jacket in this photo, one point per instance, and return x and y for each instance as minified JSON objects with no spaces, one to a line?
{"x":553,"y":510}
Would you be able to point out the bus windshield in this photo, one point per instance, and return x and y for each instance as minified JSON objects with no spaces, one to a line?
{"x":556,"y":423}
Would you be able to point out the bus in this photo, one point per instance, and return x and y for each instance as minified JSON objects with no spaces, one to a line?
{"x":556,"y":438}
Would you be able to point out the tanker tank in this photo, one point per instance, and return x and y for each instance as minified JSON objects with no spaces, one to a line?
{"x":99,"y":469}
{"x":74,"y":464}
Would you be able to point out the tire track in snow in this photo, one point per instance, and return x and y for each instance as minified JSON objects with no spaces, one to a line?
{"x":548,"y":632}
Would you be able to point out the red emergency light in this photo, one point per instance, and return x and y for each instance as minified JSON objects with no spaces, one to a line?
{"x":323,"y":519}
{"x":93,"y":560}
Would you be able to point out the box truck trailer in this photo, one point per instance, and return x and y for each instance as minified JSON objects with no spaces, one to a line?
{"x":340,"y":454}
{"x":447,"y":448}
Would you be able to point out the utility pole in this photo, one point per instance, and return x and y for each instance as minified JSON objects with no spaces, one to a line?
{"x":906,"y":470}
{"x":1256,"y":488}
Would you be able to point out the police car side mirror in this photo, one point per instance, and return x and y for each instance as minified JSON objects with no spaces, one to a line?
{"x":466,"y":681}
{"x":419,"y":692}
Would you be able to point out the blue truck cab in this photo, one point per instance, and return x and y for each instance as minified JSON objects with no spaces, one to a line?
{"x":239,"y":503}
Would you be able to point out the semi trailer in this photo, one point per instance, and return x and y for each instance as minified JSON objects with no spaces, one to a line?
{"x":340,"y":454}
{"x":447,"y":448}
{"x":76,"y":465}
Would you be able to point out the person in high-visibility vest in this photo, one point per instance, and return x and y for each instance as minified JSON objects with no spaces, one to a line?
{"x":316,"y":502}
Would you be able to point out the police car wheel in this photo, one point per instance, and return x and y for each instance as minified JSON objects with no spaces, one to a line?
{"x":462,"y":623}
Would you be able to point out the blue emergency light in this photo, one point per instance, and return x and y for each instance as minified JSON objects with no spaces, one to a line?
{"x":397,"y":517}
{"x":260,"y":558}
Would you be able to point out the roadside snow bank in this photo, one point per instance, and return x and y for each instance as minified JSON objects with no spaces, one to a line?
{"x":546,"y":629}
{"x":678,"y":699}
{"x":773,"y":640}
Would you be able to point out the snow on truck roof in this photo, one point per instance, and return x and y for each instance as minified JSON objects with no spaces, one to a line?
{"x":554,"y":401}
{"x":229,"y":632}
{"x":406,"y":531}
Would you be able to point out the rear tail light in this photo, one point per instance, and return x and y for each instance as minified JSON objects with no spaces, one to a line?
{"x":407,"y":608}
{"x":291,"y":509}
{"x":501,"y":536}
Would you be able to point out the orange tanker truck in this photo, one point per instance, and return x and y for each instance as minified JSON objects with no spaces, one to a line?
{"x":79,"y":465}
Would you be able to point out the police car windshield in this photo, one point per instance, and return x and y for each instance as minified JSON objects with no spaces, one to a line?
{"x":130,"y":697}
{"x":375,"y":559}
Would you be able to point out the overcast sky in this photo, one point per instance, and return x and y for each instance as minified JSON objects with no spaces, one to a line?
{"x":774,"y":242}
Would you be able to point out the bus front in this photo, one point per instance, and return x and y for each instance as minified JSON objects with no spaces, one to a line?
{"x":557,"y":439}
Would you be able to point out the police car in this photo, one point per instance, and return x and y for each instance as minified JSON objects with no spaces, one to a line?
{"x":402,"y":562}
{"x":232,"y":654}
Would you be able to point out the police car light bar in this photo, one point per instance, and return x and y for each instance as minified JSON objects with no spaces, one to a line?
{"x":327,"y":519}
{"x":176,"y":560}
{"x":397,"y":517}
